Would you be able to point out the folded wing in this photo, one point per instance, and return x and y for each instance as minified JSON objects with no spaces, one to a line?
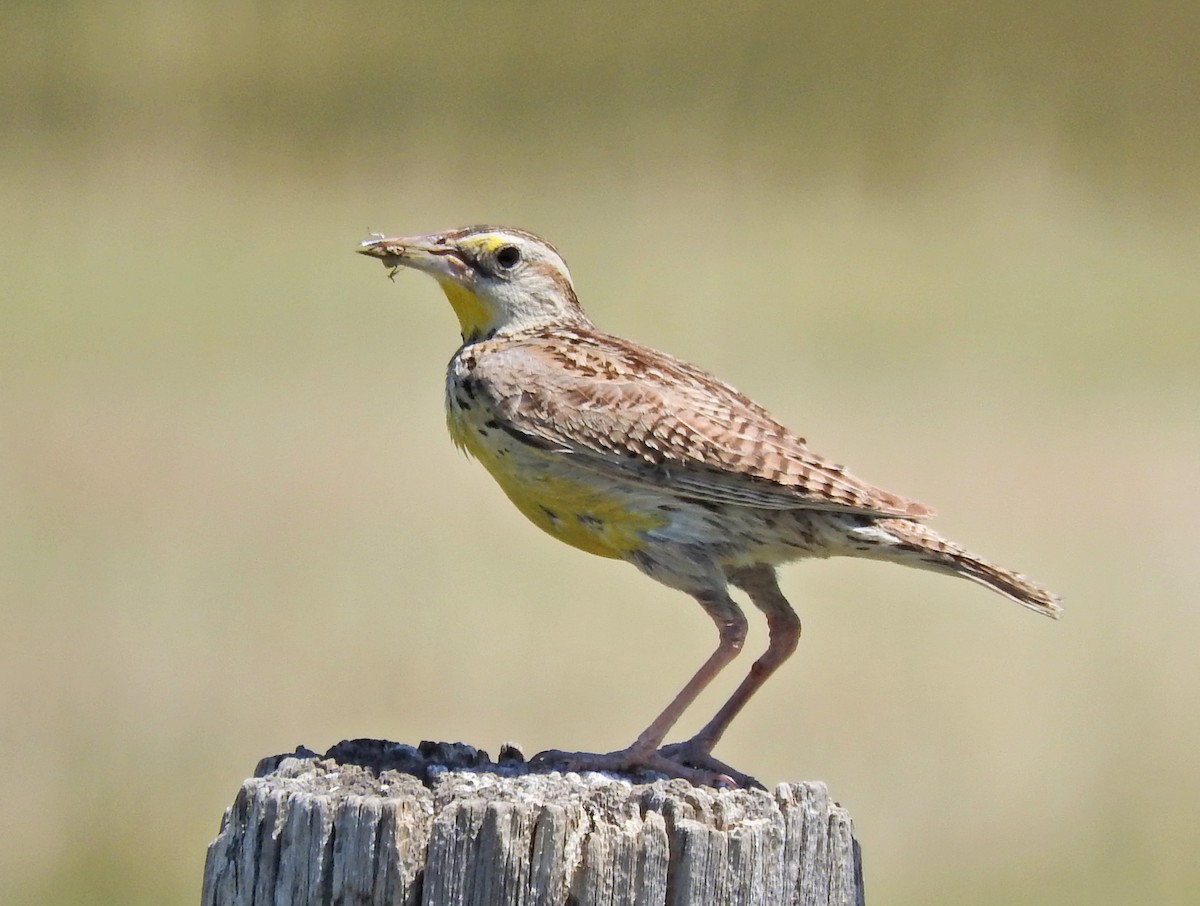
{"x":634,"y":414}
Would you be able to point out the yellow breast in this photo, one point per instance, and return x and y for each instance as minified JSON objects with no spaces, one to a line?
{"x":575,"y":508}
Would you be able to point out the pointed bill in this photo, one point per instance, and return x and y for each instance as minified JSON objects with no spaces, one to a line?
{"x":434,"y":254}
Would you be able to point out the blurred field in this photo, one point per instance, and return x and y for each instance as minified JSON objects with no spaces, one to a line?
{"x":958,"y":249}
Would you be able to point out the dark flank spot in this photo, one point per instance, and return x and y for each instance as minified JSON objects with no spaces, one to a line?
{"x":469,"y":387}
{"x":491,"y":423}
{"x":590,"y":520}
{"x":550,"y":514}
{"x":527,"y":439}
{"x":463,"y":403}
{"x":642,"y":561}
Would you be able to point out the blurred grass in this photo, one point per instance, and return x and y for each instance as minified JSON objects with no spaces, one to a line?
{"x":954,"y":246}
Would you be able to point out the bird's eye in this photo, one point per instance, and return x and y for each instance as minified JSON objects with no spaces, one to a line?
{"x":508,"y":256}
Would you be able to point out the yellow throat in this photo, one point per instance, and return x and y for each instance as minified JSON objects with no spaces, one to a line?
{"x":475,"y":316}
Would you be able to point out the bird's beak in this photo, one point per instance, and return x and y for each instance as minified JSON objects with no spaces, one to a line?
{"x":434,"y":254}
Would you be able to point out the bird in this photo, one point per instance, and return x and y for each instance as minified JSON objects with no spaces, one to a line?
{"x":632,"y":454}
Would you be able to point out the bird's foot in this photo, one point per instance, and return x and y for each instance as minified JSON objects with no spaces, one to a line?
{"x":695,"y":754}
{"x":635,"y":761}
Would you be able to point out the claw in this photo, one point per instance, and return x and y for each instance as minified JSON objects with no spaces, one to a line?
{"x":696,"y":756}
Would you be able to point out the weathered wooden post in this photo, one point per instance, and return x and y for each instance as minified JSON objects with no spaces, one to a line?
{"x":379,"y":823}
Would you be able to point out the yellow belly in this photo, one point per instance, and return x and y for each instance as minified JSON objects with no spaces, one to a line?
{"x":584,"y":513}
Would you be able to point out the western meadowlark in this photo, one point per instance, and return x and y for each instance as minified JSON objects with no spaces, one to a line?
{"x":629,"y":453}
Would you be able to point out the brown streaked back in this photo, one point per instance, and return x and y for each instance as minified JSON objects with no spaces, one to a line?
{"x":632,"y":413}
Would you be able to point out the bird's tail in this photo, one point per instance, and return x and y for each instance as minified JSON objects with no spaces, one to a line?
{"x":918,"y":545}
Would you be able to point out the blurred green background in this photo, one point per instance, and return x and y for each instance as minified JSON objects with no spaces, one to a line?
{"x":955,"y":245}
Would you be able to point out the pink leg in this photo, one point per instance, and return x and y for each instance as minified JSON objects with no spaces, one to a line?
{"x":759,"y":582}
{"x":643,"y":753}
{"x":731,"y":624}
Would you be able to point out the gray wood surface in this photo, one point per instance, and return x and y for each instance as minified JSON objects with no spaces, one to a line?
{"x":378,"y":823}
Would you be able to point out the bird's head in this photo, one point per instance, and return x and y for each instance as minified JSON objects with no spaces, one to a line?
{"x":497,"y":279}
